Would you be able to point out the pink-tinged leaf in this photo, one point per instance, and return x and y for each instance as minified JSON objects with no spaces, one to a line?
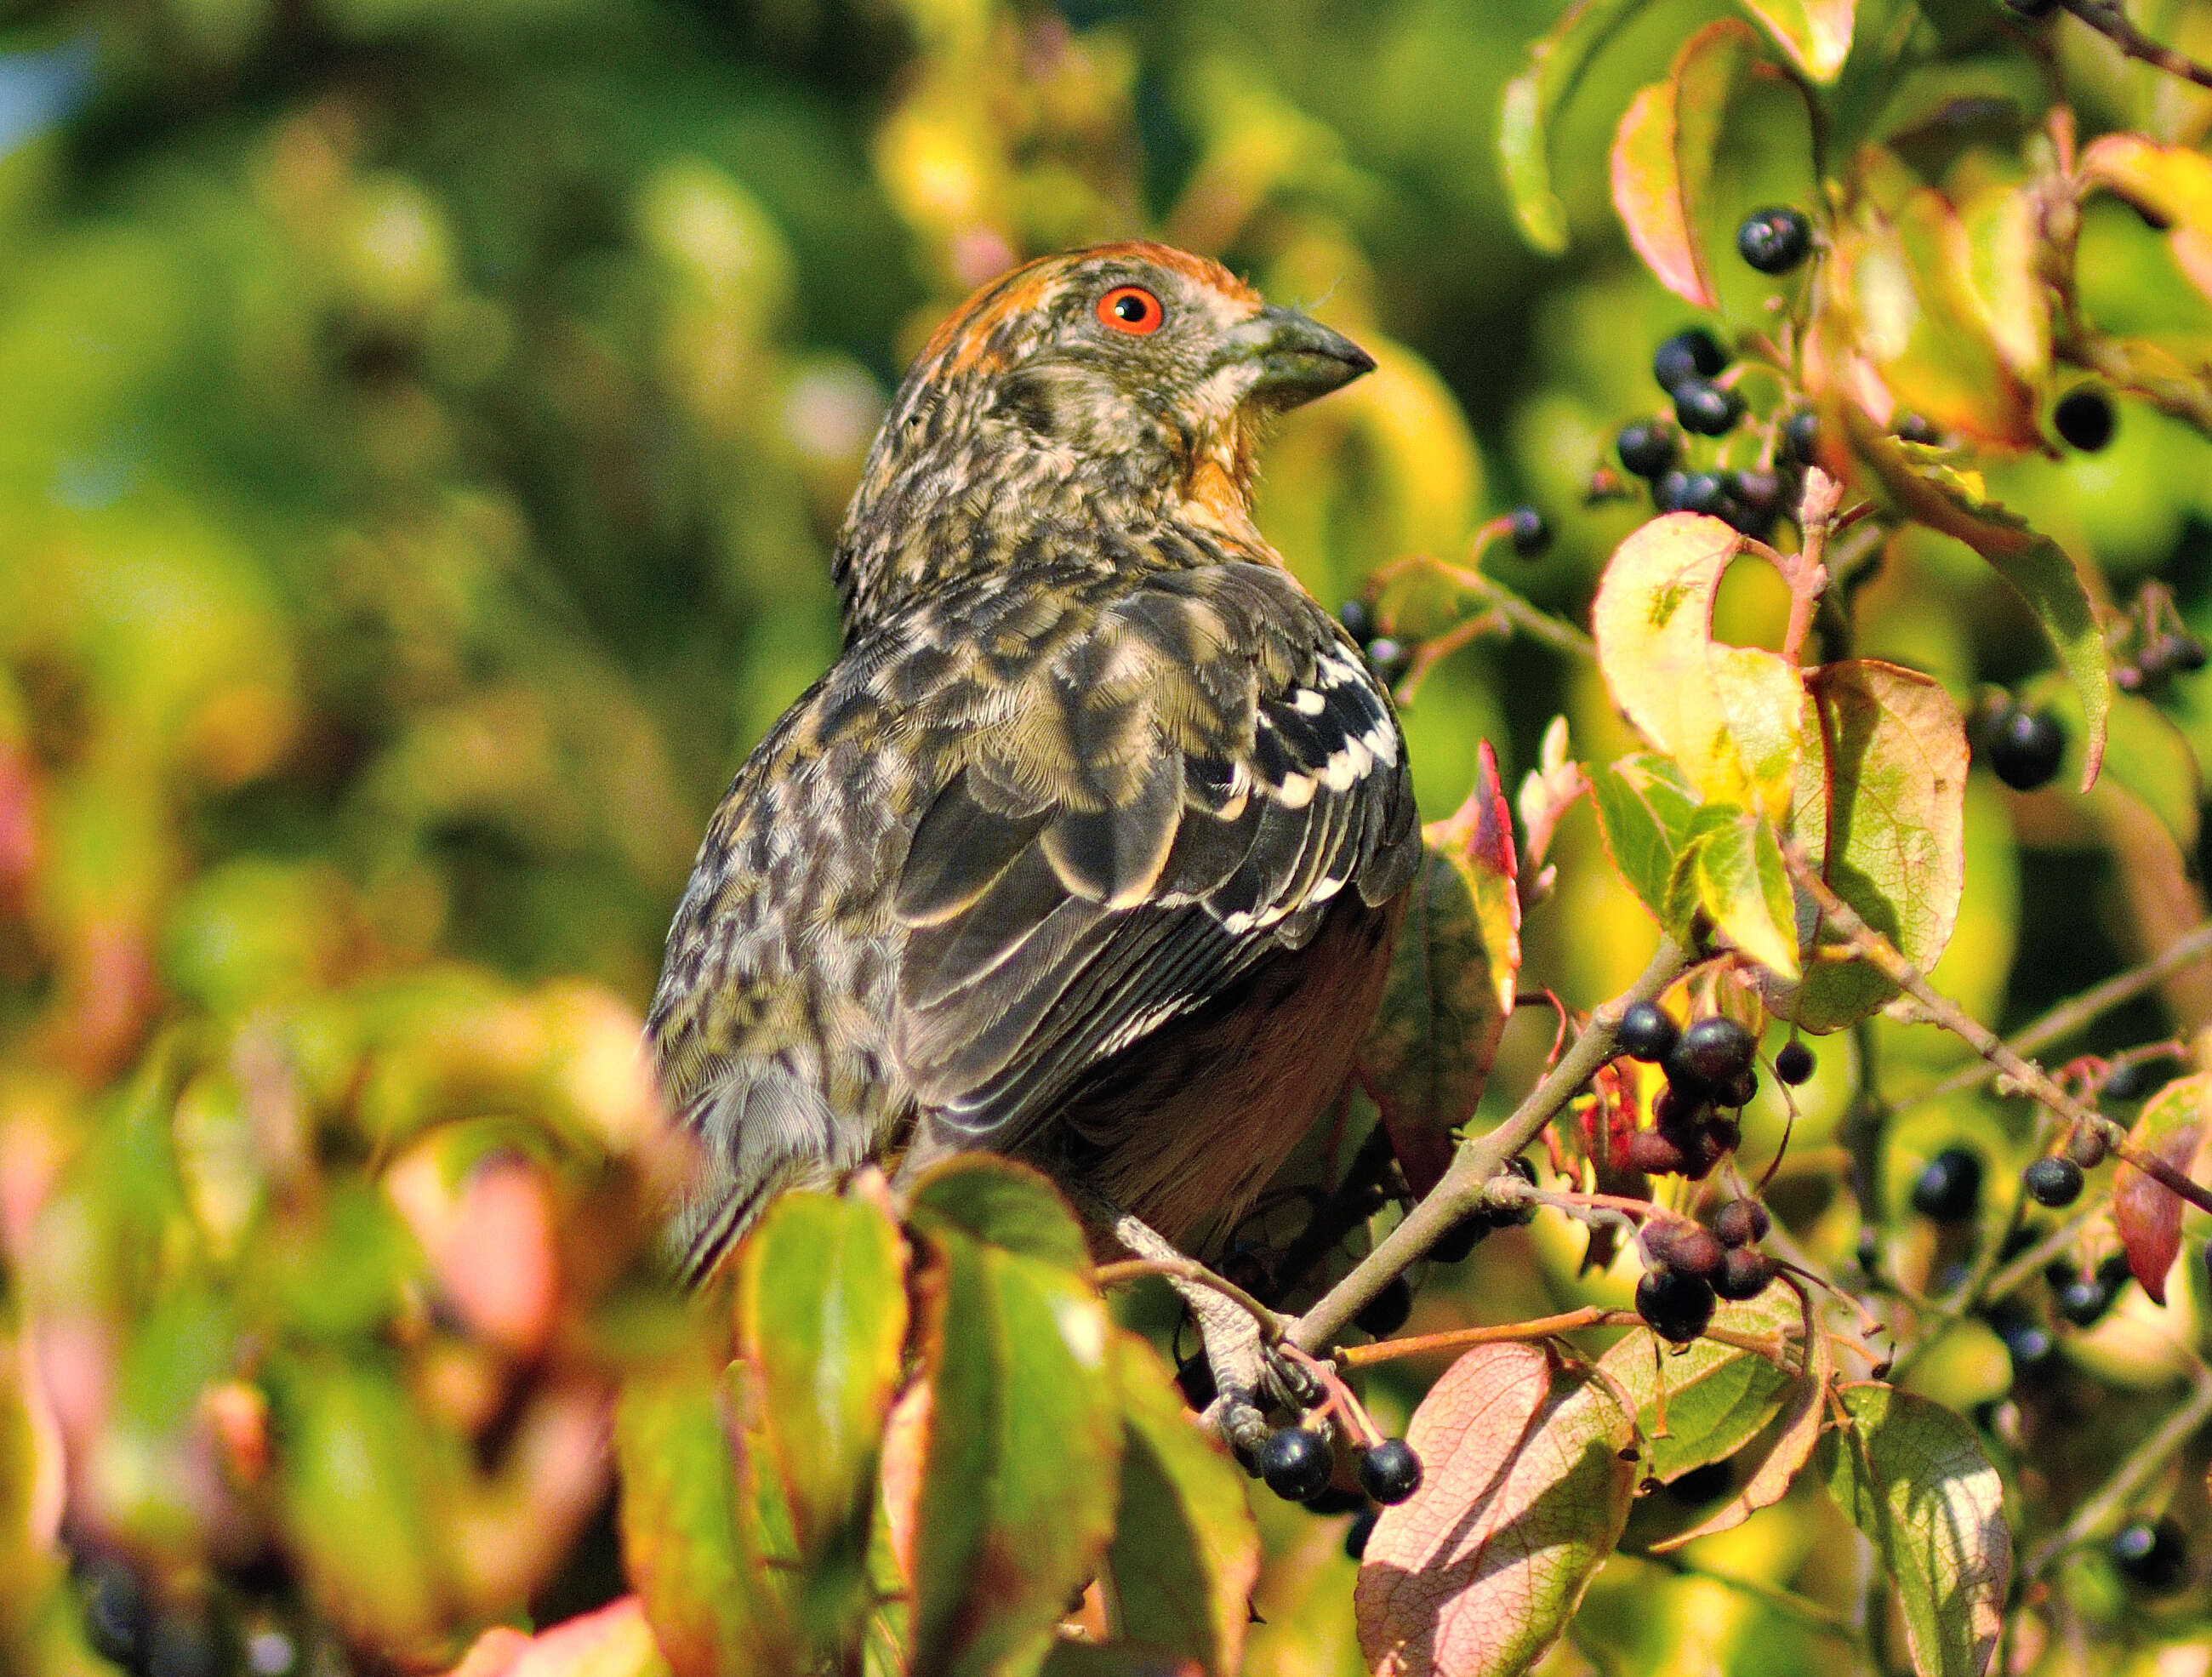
{"x":1662,"y":157}
{"x":1527,"y":1476}
{"x":1794,"y":1434}
{"x":2148,"y":1214}
{"x":1548,"y":791}
{"x":1731,"y":716}
{"x":614,"y":1642}
{"x":1452,"y":981}
{"x":2172,"y":183}
{"x":1910,"y":1475}
{"x":1556,"y":63}
{"x":1815,"y":33}
{"x":1715,"y":1398}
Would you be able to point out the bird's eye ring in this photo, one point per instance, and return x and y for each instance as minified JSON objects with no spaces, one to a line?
{"x":1131,"y":309}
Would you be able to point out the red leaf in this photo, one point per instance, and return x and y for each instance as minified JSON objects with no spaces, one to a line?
{"x":1663,"y":156}
{"x":2149,"y":1212}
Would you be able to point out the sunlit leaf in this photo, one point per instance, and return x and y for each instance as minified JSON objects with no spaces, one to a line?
{"x":1815,"y":33}
{"x":1910,"y":1475}
{"x":1881,"y":812}
{"x":1526,"y":1487}
{"x":1185,"y":1553}
{"x":1662,"y":157}
{"x":1956,"y":504}
{"x":822,"y":1291}
{"x":1732,"y":872}
{"x":2005,"y":244}
{"x":1428,"y":1054}
{"x":1015,"y":1505}
{"x":2171,"y":1128}
{"x":1532,"y":102}
{"x":1716,"y":1398}
{"x":1646,"y":806}
{"x":1730,"y":715}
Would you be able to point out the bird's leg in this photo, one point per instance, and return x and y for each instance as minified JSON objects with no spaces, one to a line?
{"x":1244,"y":1374}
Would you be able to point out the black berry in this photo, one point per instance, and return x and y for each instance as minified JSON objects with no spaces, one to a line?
{"x":1699,"y":1485}
{"x":1389,"y":1471}
{"x":1706,"y":409}
{"x":1453,"y":1245}
{"x":2084,"y":419}
{"x":1647,"y":1032}
{"x":1689,"y":353}
{"x":1794,"y":1064}
{"x":1356,"y":1533}
{"x":1676,"y":1307}
{"x":1295,"y":1463}
{"x":1745,"y":1273}
{"x":2026,"y":1340}
{"x":2052,"y":1182}
{"x":1194,"y":1375}
{"x":1648,"y":447}
{"x":1741,"y":1088}
{"x":1334,"y":1499}
{"x":1948,"y":1187}
{"x":116,"y":1614}
{"x":1389,"y":659}
{"x":1911,"y":427}
{"x":2082,"y":1300}
{"x":1357,"y":619}
{"x":1689,"y":492}
{"x":2025,"y":748}
{"x":1801,"y":437}
{"x":1386,"y":1313}
{"x":1774,"y":241}
{"x":2153,"y":1555}
{"x":1531,"y":534}
{"x":1741,"y":1223}
{"x":1713,"y":1052}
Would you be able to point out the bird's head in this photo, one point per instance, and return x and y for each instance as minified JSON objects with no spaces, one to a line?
{"x":1122,"y":384}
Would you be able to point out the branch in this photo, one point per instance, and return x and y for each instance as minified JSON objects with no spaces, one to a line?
{"x":2108,"y":20}
{"x":1189,"y":1269}
{"x":2120,"y":1490}
{"x":1870,"y":945}
{"x":2071,"y":1015}
{"x":1463,"y":1189}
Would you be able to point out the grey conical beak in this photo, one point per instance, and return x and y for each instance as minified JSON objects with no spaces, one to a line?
{"x":1299,"y":358}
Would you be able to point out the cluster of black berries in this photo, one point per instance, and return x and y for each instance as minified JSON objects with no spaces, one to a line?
{"x":1751,"y":498}
{"x":2022,"y":747}
{"x":1296,"y":1463}
{"x":1708,"y":1067}
{"x":1688,"y":1267}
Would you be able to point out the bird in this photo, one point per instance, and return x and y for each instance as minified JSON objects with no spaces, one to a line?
{"x":1090,"y":848}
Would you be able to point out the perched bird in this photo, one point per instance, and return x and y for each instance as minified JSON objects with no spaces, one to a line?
{"x":1090,"y":848}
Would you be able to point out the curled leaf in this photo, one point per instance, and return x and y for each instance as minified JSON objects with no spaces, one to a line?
{"x":1815,"y":33}
{"x":2148,"y":1214}
{"x":1533,"y":99}
{"x":1525,"y":1490}
{"x":1645,"y":808}
{"x":1662,"y":157}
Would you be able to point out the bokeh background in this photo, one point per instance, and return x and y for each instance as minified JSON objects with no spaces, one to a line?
{"x":424,"y":425}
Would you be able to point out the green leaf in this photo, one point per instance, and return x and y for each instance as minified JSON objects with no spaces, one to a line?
{"x":1662,"y":157}
{"x":1015,"y":1505}
{"x":1815,"y":33}
{"x":1528,"y":1474}
{"x":2146,"y":755}
{"x":1911,"y":1476}
{"x":1001,"y":1204}
{"x":822,"y":1292}
{"x":1453,"y":974}
{"x":1881,"y":812}
{"x":1645,"y":809}
{"x":1732,"y":716}
{"x":1716,"y":1398}
{"x":688,"y":1539}
{"x":1955,"y":503}
{"x":1186,"y":1554}
{"x":1733,"y":871}
{"x":2003,"y":231}
{"x":2170,"y":1127}
{"x":1555,"y":64}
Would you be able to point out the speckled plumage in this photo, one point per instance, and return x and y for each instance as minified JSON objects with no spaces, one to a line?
{"x":1090,"y":847}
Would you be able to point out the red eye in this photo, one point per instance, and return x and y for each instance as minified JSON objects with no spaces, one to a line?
{"x":1132,"y":309}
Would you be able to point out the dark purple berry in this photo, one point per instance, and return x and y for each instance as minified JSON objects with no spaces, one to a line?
{"x":2082,"y":1300}
{"x":1296,"y":1464}
{"x":2152,"y":1555}
{"x":1676,"y":1307}
{"x":1794,"y":1065}
{"x":2084,"y":419}
{"x":1389,"y":659}
{"x":1647,"y":1032}
{"x":1656,"y":1153}
{"x":1911,"y":427}
{"x":1531,"y":534}
{"x":1713,"y":1052}
{"x":1774,"y":241}
{"x":1801,"y":437}
{"x":1948,"y":1187}
{"x":2055,"y":1182}
{"x":1741,"y":1223}
{"x":1689,"y":353}
{"x":1389,"y":1471}
{"x":1706,"y":409}
{"x":2025,"y":748}
{"x":1683,"y":1246}
{"x":2026,"y":1340}
{"x":1386,"y":1313}
{"x":1745,"y":1273}
{"x":1357,"y":618}
{"x":1453,"y":1245}
{"x":1648,"y":447}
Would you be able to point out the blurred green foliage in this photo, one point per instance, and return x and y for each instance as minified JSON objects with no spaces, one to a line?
{"x":423,"y":424}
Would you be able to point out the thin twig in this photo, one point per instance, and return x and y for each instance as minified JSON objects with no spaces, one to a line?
{"x":1465,"y":1184}
{"x":2072,"y":1014}
{"x":1189,"y":1269}
{"x":2120,"y":1490}
{"x":2028,"y":1077}
{"x":1773,"y":1348}
{"x":2108,"y":20}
